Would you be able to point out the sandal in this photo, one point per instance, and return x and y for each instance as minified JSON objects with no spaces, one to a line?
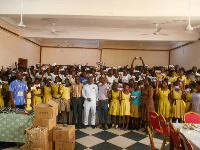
{"x":116,"y":127}
{"x":122,"y":128}
{"x":113,"y":125}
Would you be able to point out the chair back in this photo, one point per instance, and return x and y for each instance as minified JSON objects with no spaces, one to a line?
{"x":164,"y":126}
{"x":192,"y":117}
{"x":155,"y":121}
{"x":184,"y":142}
{"x":150,"y":138}
{"x":175,"y":137}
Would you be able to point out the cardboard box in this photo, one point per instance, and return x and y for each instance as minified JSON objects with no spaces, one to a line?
{"x":37,"y":137}
{"x":46,"y":111}
{"x":51,"y":145}
{"x":51,"y":135}
{"x":49,"y":123}
{"x":65,"y":145}
{"x":63,"y":134}
{"x":24,"y":147}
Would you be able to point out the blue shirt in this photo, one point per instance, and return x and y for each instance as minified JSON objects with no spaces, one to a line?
{"x":136,"y":101}
{"x":83,"y":80}
{"x":18,"y":88}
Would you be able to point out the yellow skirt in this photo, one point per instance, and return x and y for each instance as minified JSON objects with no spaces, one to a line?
{"x":47,"y":98}
{"x":36,"y":100}
{"x":179,"y":109}
{"x":125,"y":108}
{"x":1,"y":103}
{"x":187,"y":106}
{"x":114,"y":108}
{"x":164,"y":108}
{"x":28,"y":104}
{"x":135,"y":111}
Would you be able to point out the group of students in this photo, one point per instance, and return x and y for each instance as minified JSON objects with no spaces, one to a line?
{"x":126,"y":92}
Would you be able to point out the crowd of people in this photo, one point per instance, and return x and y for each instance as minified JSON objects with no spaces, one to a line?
{"x":126,"y":92}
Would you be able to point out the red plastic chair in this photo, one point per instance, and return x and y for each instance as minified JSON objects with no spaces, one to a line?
{"x":165,"y":130}
{"x":192,"y":117}
{"x":154,"y":118}
{"x":150,"y":138}
{"x":175,"y":137}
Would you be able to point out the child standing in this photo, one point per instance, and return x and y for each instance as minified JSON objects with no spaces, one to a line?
{"x":189,"y":91}
{"x":125,"y":98}
{"x":177,"y":94}
{"x":29,"y":101}
{"x":135,"y":106}
{"x":114,"y":108}
{"x":65,"y":101}
{"x":37,"y":93}
{"x":48,"y":92}
{"x":164,"y":105}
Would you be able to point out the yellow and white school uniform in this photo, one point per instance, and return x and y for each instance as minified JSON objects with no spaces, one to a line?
{"x":29,"y":101}
{"x":65,"y":101}
{"x":125,"y":105}
{"x":178,"y":105}
{"x":187,"y":81}
{"x":164,"y":107}
{"x":183,"y":78}
{"x":188,"y":101}
{"x":37,"y":99}
{"x":114,"y":108}
{"x":172,"y":79}
{"x":47,"y":94}
{"x":1,"y":100}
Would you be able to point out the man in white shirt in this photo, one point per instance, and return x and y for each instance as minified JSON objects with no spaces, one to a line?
{"x":90,"y":94}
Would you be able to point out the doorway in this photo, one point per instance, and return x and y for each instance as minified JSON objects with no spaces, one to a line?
{"x":24,"y":62}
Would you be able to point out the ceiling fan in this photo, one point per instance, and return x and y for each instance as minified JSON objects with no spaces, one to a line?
{"x":189,"y":26}
{"x":21,"y":24}
{"x":53,"y":31}
{"x":157,"y":31}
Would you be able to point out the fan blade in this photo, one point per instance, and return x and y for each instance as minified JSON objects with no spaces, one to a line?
{"x":163,"y":34}
{"x":196,"y":27}
{"x":62,"y":31}
{"x":146,"y":34}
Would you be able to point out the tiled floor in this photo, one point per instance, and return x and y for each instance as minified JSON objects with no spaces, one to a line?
{"x":111,"y":139}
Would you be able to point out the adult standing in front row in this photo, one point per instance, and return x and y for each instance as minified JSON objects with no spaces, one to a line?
{"x":77,"y":102}
{"x":147,"y":103}
{"x":104,"y":89}
{"x":90,"y":94}
{"x":18,"y":92}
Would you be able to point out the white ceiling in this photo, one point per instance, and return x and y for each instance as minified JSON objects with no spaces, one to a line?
{"x":121,"y":24}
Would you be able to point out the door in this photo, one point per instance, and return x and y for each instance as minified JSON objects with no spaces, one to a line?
{"x":24,"y":62}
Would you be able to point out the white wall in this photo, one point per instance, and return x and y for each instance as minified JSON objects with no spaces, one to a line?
{"x":125,"y":57}
{"x":186,"y":56}
{"x":69,"y":56}
{"x":13,"y":47}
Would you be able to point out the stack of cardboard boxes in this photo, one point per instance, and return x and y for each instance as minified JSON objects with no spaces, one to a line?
{"x":45,"y":134}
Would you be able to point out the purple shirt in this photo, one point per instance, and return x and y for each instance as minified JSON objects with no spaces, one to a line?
{"x":103,"y":91}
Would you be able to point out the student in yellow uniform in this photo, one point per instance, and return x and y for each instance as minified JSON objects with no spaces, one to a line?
{"x":164,"y":106}
{"x":48,"y":92}
{"x":177,"y":94}
{"x":37,"y":93}
{"x":125,"y":98}
{"x":56,"y":95}
{"x":187,"y":80}
{"x":176,"y":73}
{"x":29,"y":101}
{"x":1,"y":97}
{"x":188,"y":98}
{"x":181,"y":74}
{"x":5,"y":87}
{"x":171,"y":77}
{"x":65,"y":101}
{"x":114,"y":107}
